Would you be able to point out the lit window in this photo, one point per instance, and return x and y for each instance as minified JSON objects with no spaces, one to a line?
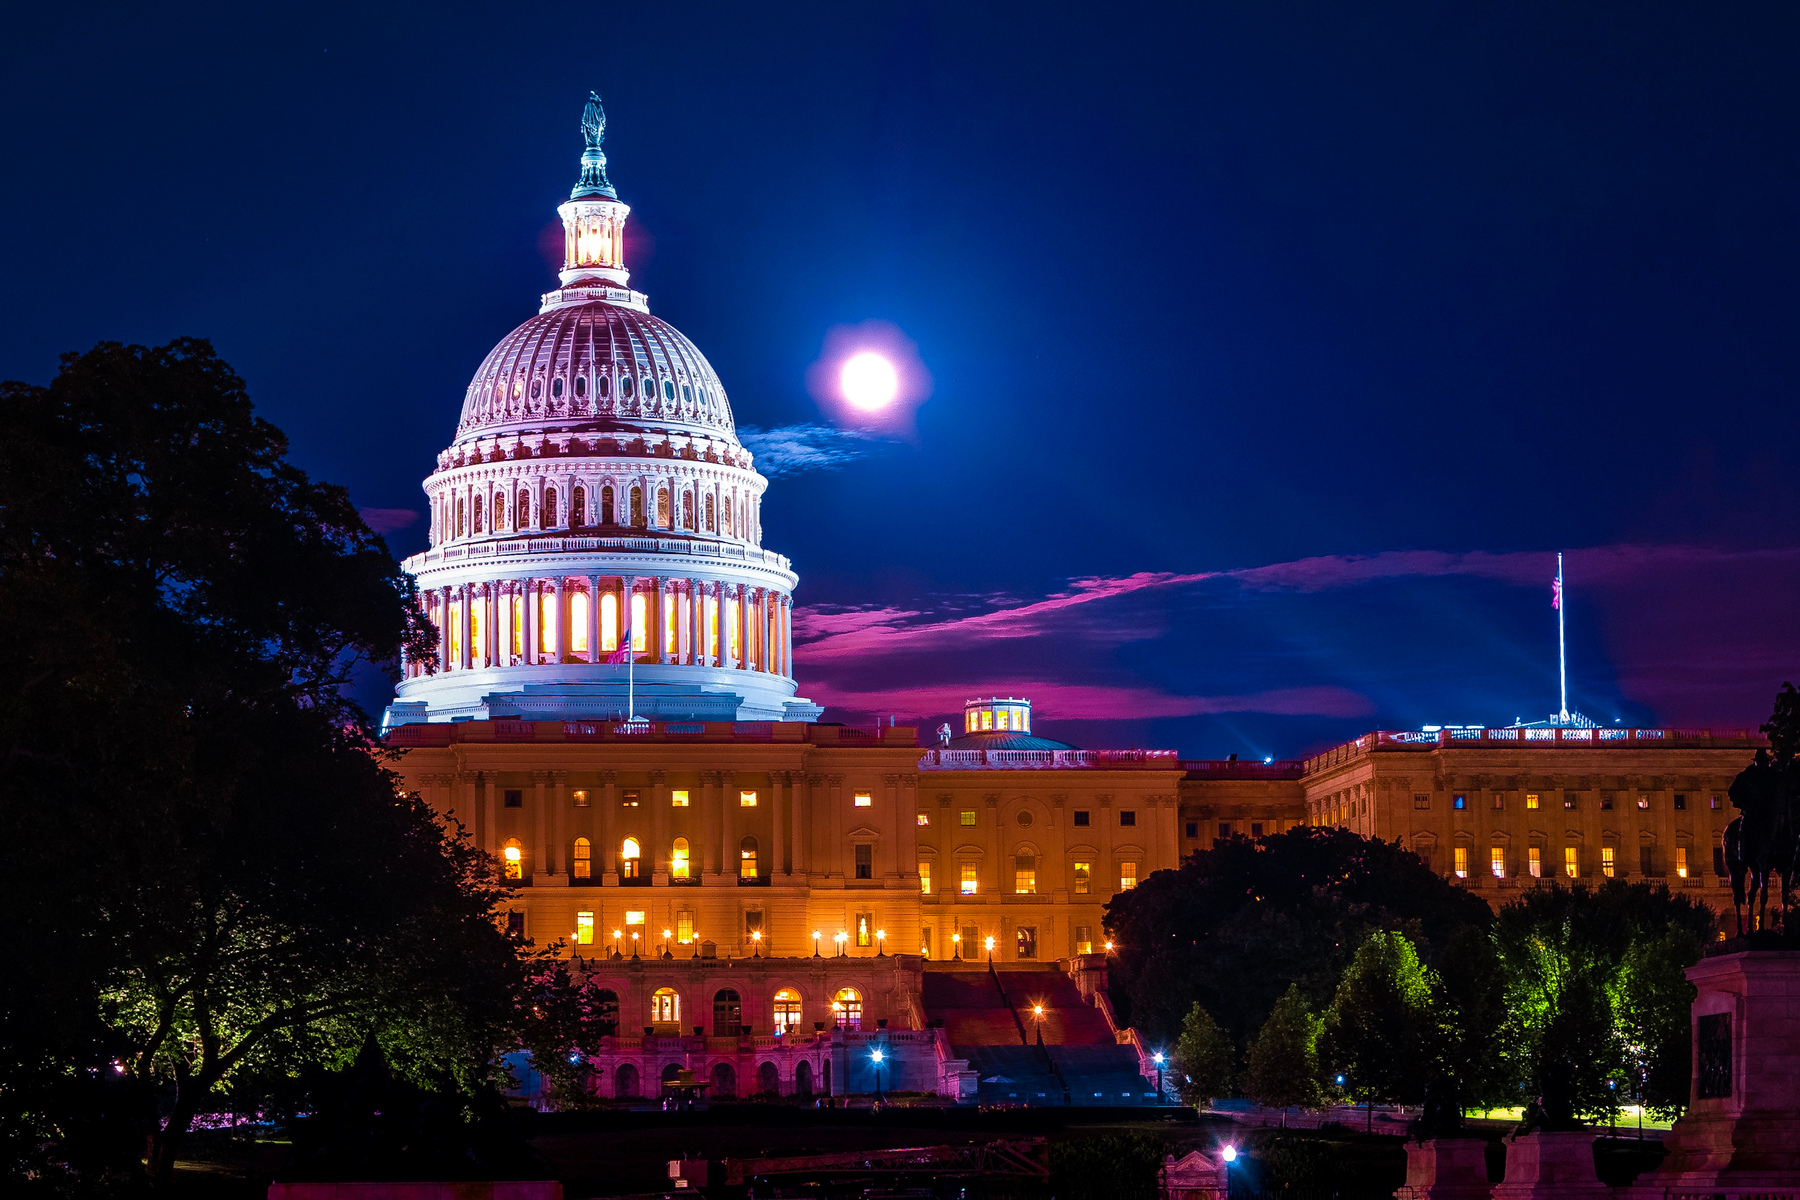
{"x":1571,"y":861}
{"x":1461,"y":856}
{"x":747,"y":858}
{"x":969,"y":881}
{"x":640,"y":624}
{"x":584,"y":928}
{"x":787,"y":1010}
{"x":679,"y":859}
{"x":1572,"y":801}
{"x":581,"y":797}
{"x":513,"y":858}
{"x":1084,"y":939}
{"x":1499,"y":799}
{"x":1000,"y":721}
{"x":609,"y":622}
{"x":967,"y":817}
{"x":1607,"y":861}
{"x":1534,"y":862}
{"x":864,"y":799}
{"x":1643,"y":803}
{"x":584,"y":859}
{"x":678,"y":798}
{"x":1497,"y":861}
{"x":1025,"y":874}
{"x":924,"y":819}
{"x":631,"y":858}
{"x":925,"y":879}
{"x":1082,"y":873}
{"x":578,"y":622}
{"x":628,"y":800}
{"x":1714,"y":804}
{"x":987,"y":720}
{"x":865,"y":928}
{"x":1459,"y":802}
{"x":684,"y":926}
{"x":865,"y":860}
{"x":1025,"y":942}
{"x":1531,"y":799}
{"x":1127,"y":876}
{"x":846,"y":1009}
{"x":634,"y":916}
{"x":746,"y":799}
{"x":1681,"y":861}
{"x":665,"y":1007}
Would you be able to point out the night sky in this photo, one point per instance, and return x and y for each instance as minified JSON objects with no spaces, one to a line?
{"x":1274,"y":350}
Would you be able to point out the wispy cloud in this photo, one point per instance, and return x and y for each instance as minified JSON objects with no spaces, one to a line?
{"x":791,"y":449}
{"x":388,"y":520}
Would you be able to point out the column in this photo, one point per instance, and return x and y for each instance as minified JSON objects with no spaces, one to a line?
{"x":593,"y":582}
{"x":560,"y":834}
{"x":539,"y":848}
{"x":777,"y":848}
{"x":787,"y":636}
{"x":561,"y":627}
{"x":797,"y":863}
{"x":443,"y":603}
{"x":491,"y":642}
{"x":653,"y":610}
{"x":467,"y":653}
{"x":659,"y":829}
{"x":697,"y":605}
{"x":891,"y":862}
{"x":484,"y":781}
{"x":526,"y":586}
{"x":764,"y":607}
{"x":606,"y":854}
{"x":742,"y":602}
{"x":728,"y":812}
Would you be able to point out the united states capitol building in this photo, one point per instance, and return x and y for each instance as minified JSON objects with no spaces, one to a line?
{"x":760,"y":896}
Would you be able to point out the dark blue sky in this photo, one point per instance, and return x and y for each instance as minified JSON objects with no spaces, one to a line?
{"x":1277,"y":348}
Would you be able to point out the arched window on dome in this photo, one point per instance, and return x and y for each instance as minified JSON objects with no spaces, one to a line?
{"x":578,"y":623}
{"x":581,"y":385}
{"x":712,"y":515}
{"x":537,"y":388}
{"x":606,"y":505}
{"x":725,"y":503}
{"x":476,"y":525}
{"x":459,"y":516}
{"x":549,"y":508}
{"x":687,"y":394}
{"x":668,"y":389}
{"x":662,"y":508}
{"x":680,"y":859}
{"x":637,"y":507}
{"x":522,"y":510}
{"x":605,"y":386}
{"x":578,"y":507}
{"x":687,"y":510}
{"x":556,"y":386}
{"x":625,"y":385}
{"x":499,"y":511}
{"x":609,"y":623}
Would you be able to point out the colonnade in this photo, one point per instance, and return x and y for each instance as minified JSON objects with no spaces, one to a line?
{"x":534,"y":620}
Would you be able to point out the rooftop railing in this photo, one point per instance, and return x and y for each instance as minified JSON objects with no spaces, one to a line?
{"x":1047,"y":760}
{"x":1514,"y":737}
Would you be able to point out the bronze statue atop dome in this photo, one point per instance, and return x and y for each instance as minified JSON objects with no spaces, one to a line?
{"x":593,"y":159}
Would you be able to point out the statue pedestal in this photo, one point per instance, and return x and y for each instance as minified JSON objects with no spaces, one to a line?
{"x":1544,"y":1165}
{"x":1447,"y":1169}
{"x":1742,"y":1126}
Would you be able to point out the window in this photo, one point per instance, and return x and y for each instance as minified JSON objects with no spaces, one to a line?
{"x":924,"y":819}
{"x":865,"y":860}
{"x":584,"y":929}
{"x":1499,"y":800}
{"x":846,"y":1010}
{"x":969,"y":881}
{"x":680,"y":859}
{"x":514,"y":798}
{"x":865,"y":928}
{"x":1127,"y":819}
{"x":1082,"y":872}
{"x":747,"y":858}
{"x":1646,"y":860}
{"x":753,"y":923}
{"x":583,"y":860}
{"x":581,"y":797}
{"x":728,"y":1013}
{"x":684,"y":926}
{"x":966,"y":817}
{"x":515,"y":924}
{"x":1571,"y":801}
{"x":609,"y":622}
{"x":1643,"y":803}
{"x":549,"y":507}
{"x":1081,"y":818}
{"x":665,"y":1007}
{"x":1713,"y":804}
{"x":1606,"y":861}
{"x":1084,"y":939}
{"x":678,"y":798}
{"x":1571,"y":861}
{"x":787,"y":1011}
{"x":1534,"y":862}
{"x":1421,"y":801}
{"x":1719,"y":861}
{"x":746,"y":799}
{"x":1127,"y":876}
{"x":628,"y":800}
{"x":863,"y":800}
{"x":1459,"y":802}
{"x":1193,"y":829}
{"x":630,"y":859}
{"x":512,"y":859}
{"x":634,"y":916}
{"x":1224,"y":829}
{"x":1025,"y":941}
{"x":924,"y":941}
{"x":1680,"y":802}
{"x":1531,"y":799}
{"x":1460,"y":856}
{"x":578,"y":507}
{"x":1681,"y":869}
{"x":971,"y":937}
{"x":925,"y":879}
{"x":1606,"y":801}
{"x":1025,"y":874}
{"x":1497,"y":861}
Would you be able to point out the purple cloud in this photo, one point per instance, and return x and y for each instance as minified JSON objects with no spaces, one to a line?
{"x":388,"y":520}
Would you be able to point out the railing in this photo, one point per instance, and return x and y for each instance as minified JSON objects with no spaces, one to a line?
{"x":1477,"y":736}
{"x":513,"y":729}
{"x":500,"y":547}
{"x":1042,"y":760}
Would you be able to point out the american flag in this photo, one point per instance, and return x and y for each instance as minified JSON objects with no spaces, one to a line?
{"x":1556,"y":592}
{"x":623,"y":653}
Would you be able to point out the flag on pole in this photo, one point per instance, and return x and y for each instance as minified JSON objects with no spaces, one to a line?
{"x":623,"y":653}
{"x":1556,"y":592}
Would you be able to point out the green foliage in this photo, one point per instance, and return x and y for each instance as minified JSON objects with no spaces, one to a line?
{"x":1597,"y":996}
{"x":1238,"y":924}
{"x":1110,"y":1166}
{"x":1382,"y":1031}
{"x":1205,"y":1060}
{"x":1283,"y":1070}
{"x":1295,"y":1162}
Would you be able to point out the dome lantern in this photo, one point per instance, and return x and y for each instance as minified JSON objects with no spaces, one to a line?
{"x":593,"y":218}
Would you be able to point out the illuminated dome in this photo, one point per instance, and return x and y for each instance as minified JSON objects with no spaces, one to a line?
{"x":1000,"y":723}
{"x":596,"y":493}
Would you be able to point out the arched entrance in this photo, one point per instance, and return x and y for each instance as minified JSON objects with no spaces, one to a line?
{"x":625,"y":1082}
{"x":803,"y":1079}
{"x":724,"y":1081}
{"x":768,"y":1080}
{"x":728,"y":1014}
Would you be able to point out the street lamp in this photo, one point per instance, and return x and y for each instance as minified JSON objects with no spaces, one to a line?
{"x":815,"y":943}
{"x":1109,"y":951}
{"x":756,"y":944}
{"x":634,"y":943}
{"x":1037,"y":1014}
{"x":990,"y":947}
{"x":694,"y":941}
{"x":1157,"y":1058}
{"x":667,"y":934}
{"x":880,"y":942}
{"x":1229,"y":1155}
{"x":956,"y":947}
{"x":877,"y":1055}
{"x":840,"y":939}
{"x":617,"y":934}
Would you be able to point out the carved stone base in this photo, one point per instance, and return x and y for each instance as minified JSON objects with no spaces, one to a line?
{"x":1540,"y":1166}
{"x":1447,"y":1169}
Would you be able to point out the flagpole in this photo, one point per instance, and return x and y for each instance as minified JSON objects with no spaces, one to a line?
{"x":631,"y":670}
{"x":1562,"y":660}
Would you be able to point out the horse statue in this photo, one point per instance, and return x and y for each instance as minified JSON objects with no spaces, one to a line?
{"x":1761,"y":841}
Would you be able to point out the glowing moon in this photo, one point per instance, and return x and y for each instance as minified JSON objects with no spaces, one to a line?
{"x":869,"y":381}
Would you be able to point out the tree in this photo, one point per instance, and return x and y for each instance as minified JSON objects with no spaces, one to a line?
{"x":1204,"y":1058}
{"x":1239,"y":923}
{"x":1382,"y":1031}
{"x":239,"y":886}
{"x":1283,"y":1069}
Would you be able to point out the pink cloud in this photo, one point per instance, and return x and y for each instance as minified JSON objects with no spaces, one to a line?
{"x":388,"y":520}
{"x":1097,"y":702}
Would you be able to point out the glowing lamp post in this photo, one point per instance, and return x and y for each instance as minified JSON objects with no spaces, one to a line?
{"x":815,"y":943}
{"x":1109,"y":947}
{"x":756,"y":944}
{"x":694,"y":941}
{"x":634,"y":943}
{"x":667,"y":934}
{"x":617,"y":934}
{"x":1229,"y":1154}
{"x":1157,"y":1058}
{"x":880,"y":942}
{"x":877,"y":1055}
{"x":956,"y":947}
{"x":840,"y":938}
{"x":990,"y":947}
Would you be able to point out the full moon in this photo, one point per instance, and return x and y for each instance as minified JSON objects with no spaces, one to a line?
{"x":869,"y":381}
